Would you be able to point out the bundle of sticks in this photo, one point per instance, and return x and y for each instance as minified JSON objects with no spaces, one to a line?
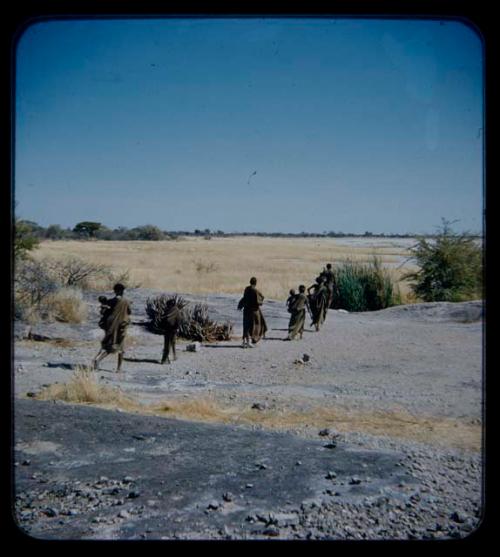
{"x":195,"y":323}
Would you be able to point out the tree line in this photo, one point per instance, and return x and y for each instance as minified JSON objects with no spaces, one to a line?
{"x":33,"y":232}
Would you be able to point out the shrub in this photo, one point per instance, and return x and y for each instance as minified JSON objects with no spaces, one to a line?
{"x":25,"y":239}
{"x":363,"y":287}
{"x":33,"y":284}
{"x":450,"y":267}
{"x":74,"y":271}
{"x":67,"y":305}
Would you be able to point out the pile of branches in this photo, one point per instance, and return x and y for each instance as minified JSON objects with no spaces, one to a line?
{"x":158,"y":310}
{"x":195,"y":323}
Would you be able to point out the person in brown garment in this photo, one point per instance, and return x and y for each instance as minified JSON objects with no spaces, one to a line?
{"x":318,"y":301}
{"x":254,"y":324}
{"x":115,"y":320}
{"x":329,"y":277}
{"x":171,"y":324}
{"x":298,"y":310}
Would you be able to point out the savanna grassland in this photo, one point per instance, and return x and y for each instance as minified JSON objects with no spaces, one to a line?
{"x":224,"y":265}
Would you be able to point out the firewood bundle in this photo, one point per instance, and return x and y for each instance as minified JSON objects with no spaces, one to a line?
{"x":195,"y":323}
{"x":159,"y":310}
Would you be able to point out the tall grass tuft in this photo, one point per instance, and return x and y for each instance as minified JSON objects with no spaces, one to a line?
{"x":67,"y":305}
{"x":84,"y":388}
{"x":364,"y":287}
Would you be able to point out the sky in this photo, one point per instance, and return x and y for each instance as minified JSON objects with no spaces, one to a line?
{"x":250,"y":124}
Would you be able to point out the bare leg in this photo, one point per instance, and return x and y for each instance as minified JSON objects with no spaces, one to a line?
{"x":166,"y":343}
{"x":173,"y":349}
{"x":120,"y":361}
{"x":100,"y":356}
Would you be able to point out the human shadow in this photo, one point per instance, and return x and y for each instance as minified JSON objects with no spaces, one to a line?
{"x":65,"y":365}
{"x":142,"y":360}
{"x":222,"y":346}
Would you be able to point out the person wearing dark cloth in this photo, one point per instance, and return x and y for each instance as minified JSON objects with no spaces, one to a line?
{"x":290,"y":300}
{"x":254,"y":324}
{"x":171,"y":324}
{"x":329,"y":276}
{"x":115,"y":320}
{"x":318,"y":302}
{"x":298,"y":310}
{"x":104,"y":310}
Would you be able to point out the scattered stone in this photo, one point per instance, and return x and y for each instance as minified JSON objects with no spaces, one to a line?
{"x":124,"y":514}
{"x":193,"y":347}
{"x":286,"y":519}
{"x":213,"y":505}
{"x":134,"y":494}
{"x":306,"y":358}
{"x":331,"y":445}
{"x":331,"y":475}
{"x":354,"y":480}
{"x":258,"y":406}
{"x":26,"y":462}
{"x":458,"y":517}
{"x":227,"y":496}
{"x":271,"y":531}
{"x":324,"y":432}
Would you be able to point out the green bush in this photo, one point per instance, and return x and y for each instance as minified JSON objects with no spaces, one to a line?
{"x":363,"y":287}
{"x":25,"y":239}
{"x":450,"y":267}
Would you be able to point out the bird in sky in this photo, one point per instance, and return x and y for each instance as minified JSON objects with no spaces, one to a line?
{"x":253,"y":174}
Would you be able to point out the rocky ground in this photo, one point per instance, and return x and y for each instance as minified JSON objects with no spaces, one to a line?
{"x":376,"y":435}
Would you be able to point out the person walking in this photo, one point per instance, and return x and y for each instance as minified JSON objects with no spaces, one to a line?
{"x":318,"y":301}
{"x":115,"y":321}
{"x":298,"y":314}
{"x":254,"y":324}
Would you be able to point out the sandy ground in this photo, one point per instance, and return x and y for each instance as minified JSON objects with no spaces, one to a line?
{"x":405,"y":379}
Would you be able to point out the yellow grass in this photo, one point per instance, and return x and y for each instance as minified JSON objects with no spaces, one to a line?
{"x":223,"y":265}
{"x":84,"y":388}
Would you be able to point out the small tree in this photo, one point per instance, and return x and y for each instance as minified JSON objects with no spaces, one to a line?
{"x":451,"y":267}
{"x":24,"y":239}
{"x":87,"y":229}
{"x":147,"y":232}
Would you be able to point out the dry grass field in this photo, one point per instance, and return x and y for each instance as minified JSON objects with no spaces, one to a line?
{"x":225,"y":265}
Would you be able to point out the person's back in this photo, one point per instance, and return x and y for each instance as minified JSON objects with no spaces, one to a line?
{"x":300,"y":302}
{"x":251,"y":298}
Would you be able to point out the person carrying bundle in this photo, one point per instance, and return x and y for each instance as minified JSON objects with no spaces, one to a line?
{"x":298,"y":307}
{"x":318,"y":302}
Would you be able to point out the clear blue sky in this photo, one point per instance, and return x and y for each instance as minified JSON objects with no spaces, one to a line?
{"x":250,"y":125}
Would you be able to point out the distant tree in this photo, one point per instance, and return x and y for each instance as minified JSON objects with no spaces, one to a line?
{"x":55,"y":232}
{"x":87,"y":229}
{"x":147,"y":232}
{"x":24,"y":239}
{"x":104,"y":233}
{"x":450,"y":267}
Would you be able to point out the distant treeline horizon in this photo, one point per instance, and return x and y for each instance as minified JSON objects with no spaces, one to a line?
{"x":86,"y":230}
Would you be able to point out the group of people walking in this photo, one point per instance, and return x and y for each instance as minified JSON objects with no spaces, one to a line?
{"x":316,"y":302}
{"x":116,"y":311}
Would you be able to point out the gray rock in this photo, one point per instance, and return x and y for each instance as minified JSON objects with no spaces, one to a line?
{"x":193,"y":347}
